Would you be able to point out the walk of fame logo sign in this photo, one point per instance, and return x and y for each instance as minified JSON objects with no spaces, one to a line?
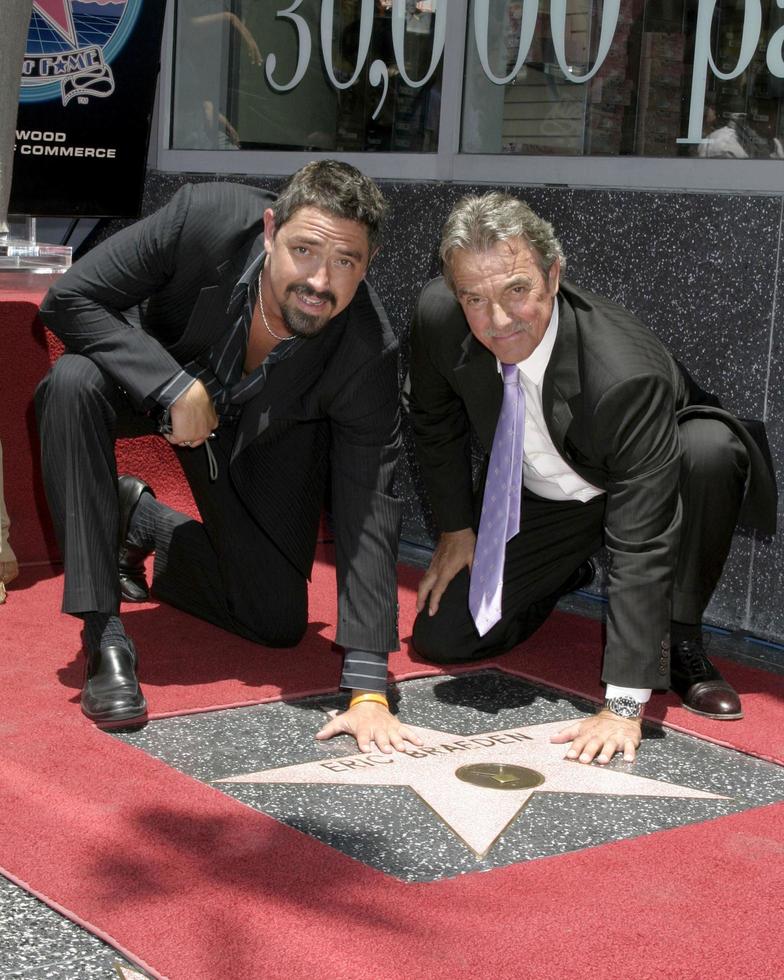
{"x":478,"y":785}
{"x":70,"y":47}
{"x":85,"y":107}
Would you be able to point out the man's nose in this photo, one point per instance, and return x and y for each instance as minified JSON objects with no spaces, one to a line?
{"x":499,"y":318}
{"x":319,"y":278}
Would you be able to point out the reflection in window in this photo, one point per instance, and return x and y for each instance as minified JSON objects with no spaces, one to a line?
{"x":638,"y":102}
{"x":248,"y":77}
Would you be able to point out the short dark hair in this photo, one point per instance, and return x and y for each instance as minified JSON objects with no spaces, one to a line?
{"x":338,"y":188}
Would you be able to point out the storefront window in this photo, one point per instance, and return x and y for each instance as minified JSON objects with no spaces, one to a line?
{"x":652,"y":78}
{"x":334,"y":75}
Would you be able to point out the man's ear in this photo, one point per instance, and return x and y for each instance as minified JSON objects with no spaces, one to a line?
{"x":554,"y":277}
{"x":269,"y":229}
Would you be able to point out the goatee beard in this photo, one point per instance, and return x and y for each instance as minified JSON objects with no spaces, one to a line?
{"x":298,"y":322}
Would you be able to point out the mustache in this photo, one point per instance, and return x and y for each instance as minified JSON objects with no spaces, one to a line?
{"x":517,"y":326}
{"x":302,"y":289}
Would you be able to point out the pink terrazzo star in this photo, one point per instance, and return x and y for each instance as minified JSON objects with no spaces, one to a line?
{"x":58,"y":13}
{"x":476,"y":814}
{"x":126,"y":973}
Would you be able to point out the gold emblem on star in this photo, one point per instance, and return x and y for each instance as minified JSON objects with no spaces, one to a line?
{"x":496,"y":775}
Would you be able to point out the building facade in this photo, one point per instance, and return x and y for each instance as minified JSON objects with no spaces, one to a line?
{"x":650,"y":132}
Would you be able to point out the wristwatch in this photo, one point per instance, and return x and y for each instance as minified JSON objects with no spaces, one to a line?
{"x":624,"y":706}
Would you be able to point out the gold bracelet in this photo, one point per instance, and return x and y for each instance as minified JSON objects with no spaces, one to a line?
{"x":369,"y":696}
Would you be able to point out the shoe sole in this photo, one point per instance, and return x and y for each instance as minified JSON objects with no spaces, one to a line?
{"x":120,"y":719}
{"x":715,"y":717}
{"x":132,"y":725}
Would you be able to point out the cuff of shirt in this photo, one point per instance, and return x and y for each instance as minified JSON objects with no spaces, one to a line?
{"x":364,"y":670}
{"x":175,"y":387}
{"x":641,"y":694}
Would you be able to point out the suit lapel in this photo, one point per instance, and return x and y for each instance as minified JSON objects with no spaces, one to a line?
{"x":562,"y":377}
{"x":480,"y":386}
{"x":214,"y":310}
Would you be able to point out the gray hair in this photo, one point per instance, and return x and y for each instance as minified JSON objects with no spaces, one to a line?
{"x":478,"y":222}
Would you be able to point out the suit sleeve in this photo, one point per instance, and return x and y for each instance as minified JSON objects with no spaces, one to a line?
{"x":441,"y":428}
{"x":87,"y":308}
{"x":365,"y":428}
{"x":642,"y":527}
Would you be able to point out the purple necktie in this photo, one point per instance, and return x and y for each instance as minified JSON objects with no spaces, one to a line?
{"x":500,"y":520}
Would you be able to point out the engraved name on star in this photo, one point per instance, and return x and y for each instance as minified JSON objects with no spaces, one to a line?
{"x":477,"y":814}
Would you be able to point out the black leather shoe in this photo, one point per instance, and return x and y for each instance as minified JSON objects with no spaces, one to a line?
{"x":699,"y":685}
{"x":580,"y":578}
{"x":111,"y":694}
{"x":133,"y":581}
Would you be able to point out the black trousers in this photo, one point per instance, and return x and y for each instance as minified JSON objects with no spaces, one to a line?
{"x":557,"y":536}
{"x":224,"y":569}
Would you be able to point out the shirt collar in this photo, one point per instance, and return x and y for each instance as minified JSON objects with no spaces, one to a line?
{"x":248,"y":279}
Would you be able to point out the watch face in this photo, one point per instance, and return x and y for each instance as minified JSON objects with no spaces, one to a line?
{"x":625,"y":707}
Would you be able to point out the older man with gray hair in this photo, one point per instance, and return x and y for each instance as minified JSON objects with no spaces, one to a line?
{"x":593,"y":434}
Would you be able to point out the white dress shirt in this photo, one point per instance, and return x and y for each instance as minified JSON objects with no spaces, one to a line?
{"x":545,"y":472}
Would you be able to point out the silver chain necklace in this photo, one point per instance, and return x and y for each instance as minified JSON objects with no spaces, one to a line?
{"x":270,"y":331}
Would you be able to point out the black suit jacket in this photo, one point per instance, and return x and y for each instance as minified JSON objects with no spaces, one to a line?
{"x":155,"y":295}
{"x":612,"y":396}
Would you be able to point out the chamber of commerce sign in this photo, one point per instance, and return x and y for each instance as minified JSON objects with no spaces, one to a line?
{"x":88,"y":84}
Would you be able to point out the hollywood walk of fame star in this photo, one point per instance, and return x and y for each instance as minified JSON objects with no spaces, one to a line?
{"x":477,"y":814}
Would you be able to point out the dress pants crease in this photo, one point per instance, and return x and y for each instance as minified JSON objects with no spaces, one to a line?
{"x":79,"y":414}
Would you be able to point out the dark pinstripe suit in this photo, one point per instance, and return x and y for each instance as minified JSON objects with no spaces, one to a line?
{"x":134,"y":310}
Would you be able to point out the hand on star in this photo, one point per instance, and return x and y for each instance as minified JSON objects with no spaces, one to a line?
{"x":600,"y":737}
{"x":371,"y":722}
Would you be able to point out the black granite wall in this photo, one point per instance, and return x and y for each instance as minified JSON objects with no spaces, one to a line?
{"x":701,"y":269}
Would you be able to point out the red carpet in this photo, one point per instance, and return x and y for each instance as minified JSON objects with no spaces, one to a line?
{"x":191,"y":884}
{"x":26,"y":351}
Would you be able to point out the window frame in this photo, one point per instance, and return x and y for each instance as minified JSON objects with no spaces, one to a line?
{"x":678,"y":174}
